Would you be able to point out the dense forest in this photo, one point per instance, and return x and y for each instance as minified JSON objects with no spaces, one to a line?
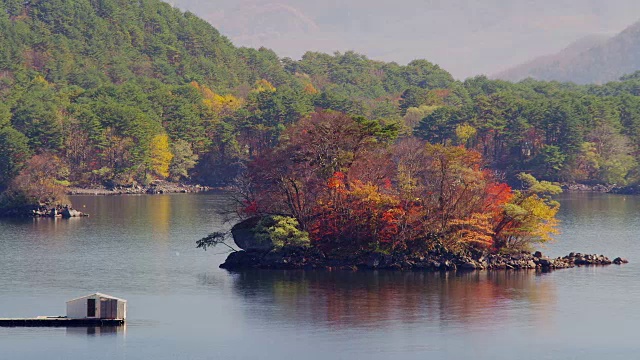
{"x":104,"y":92}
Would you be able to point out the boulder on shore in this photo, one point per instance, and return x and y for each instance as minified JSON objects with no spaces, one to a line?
{"x":69,"y":213}
{"x":245,"y":238}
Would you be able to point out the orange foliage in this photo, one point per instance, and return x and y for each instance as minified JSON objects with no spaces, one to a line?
{"x":336,"y":181}
{"x":497,"y":194}
{"x":310,"y":89}
{"x":352,"y":192}
{"x":356,"y":217}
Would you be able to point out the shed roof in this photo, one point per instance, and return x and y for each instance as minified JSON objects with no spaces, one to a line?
{"x":98,"y":295}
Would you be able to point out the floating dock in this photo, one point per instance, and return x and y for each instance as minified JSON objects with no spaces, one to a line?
{"x":58,"y":321}
{"x":94,"y":310}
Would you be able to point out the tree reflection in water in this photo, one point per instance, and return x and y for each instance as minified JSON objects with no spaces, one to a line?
{"x":363,"y":299}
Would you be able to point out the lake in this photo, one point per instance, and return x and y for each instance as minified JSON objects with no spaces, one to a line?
{"x":182,"y":306}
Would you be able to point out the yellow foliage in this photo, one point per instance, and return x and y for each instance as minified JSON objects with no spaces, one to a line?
{"x":40,"y":80}
{"x":540,"y":219}
{"x":310,"y":89}
{"x":464,"y":133}
{"x":218,"y":105}
{"x":407,"y":183}
{"x":370,"y":193}
{"x":161,"y":156}
{"x":527,"y":219}
{"x":477,"y":229}
{"x":263,"y":85}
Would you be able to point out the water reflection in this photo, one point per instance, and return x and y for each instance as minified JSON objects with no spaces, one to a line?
{"x":96,"y":330}
{"x":363,"y":299}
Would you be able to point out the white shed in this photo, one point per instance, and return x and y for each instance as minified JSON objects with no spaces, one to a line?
{"x":97,"y":306}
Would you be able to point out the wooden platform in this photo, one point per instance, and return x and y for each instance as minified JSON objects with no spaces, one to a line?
{"x":44,"y":321}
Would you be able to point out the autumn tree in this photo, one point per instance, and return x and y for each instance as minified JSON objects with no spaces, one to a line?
{"x":356,"y":217}
{"x":452,"y":189}
{"x":42,"y":180}
{"x":161,"y":155}
{"x":290,"y":178}
{"x":528,"y":217}
{"x":353,"y":190}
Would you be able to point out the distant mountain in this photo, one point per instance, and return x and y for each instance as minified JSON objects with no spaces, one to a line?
{"x":538,"y":67}
{"x":482,"y":37}
{"x":594,"y":59}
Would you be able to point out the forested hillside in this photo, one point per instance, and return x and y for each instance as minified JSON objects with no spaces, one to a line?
{"x":117,"y":92}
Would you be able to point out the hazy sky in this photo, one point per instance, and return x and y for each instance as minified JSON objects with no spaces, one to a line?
{"x":466,"y":37}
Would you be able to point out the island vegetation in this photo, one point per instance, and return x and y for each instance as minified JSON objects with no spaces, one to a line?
{"x":346,"y":187}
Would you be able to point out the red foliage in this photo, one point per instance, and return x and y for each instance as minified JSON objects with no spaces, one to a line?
{"x":250,"y":208}
{"x":336,"y":182}
{"x":497,"y":194}
{"x":353,"y":192}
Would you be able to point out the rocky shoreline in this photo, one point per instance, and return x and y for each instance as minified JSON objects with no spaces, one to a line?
{"x":310,"y":258}
{"x":43,"y":211}
{"x":157,"y":187}
{"x":602,"y":188}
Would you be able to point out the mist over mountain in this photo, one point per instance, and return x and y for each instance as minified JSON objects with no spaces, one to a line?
{"x":540,"y":67}
{"x":592,"y":60}
{"x":463,"y":36}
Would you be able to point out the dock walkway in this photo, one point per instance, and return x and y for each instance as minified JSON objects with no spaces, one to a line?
{"x":57,"y":321}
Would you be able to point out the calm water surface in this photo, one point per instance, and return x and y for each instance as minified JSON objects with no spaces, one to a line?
{"x":181,"y":306}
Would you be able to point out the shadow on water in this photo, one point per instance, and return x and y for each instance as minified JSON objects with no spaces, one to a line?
{"x":353,"y":299}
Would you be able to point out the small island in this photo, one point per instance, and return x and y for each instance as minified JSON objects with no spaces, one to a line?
{"x":343,"y":192}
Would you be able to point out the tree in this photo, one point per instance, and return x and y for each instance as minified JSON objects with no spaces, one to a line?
{"x":161,"y":155}
{"x":549,"y":162}
{"x":440,"y":126}
{"x":281,"y":231}
{"x":457,"y":195}
{"x":353,"y":190}
{"x":415,"y":114}
{"x":357,"y":216}
{"x":42,"y":180}
{"x":290,"y":178}
{"x":529,"y":217}
{"x":37,"y":115}
{"x":14,"y":152}
{"x":183,"y":160}
{"x":412,"y":97}
{"x":613,"y":154}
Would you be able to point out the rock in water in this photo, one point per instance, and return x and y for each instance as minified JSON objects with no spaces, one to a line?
{"x":619,"y":261}
{"x":69,"y":213}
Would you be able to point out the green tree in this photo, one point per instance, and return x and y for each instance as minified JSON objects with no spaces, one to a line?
{"x":14,"y":152}
{"x":440,"y":126}
{"x":183,"y":160}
